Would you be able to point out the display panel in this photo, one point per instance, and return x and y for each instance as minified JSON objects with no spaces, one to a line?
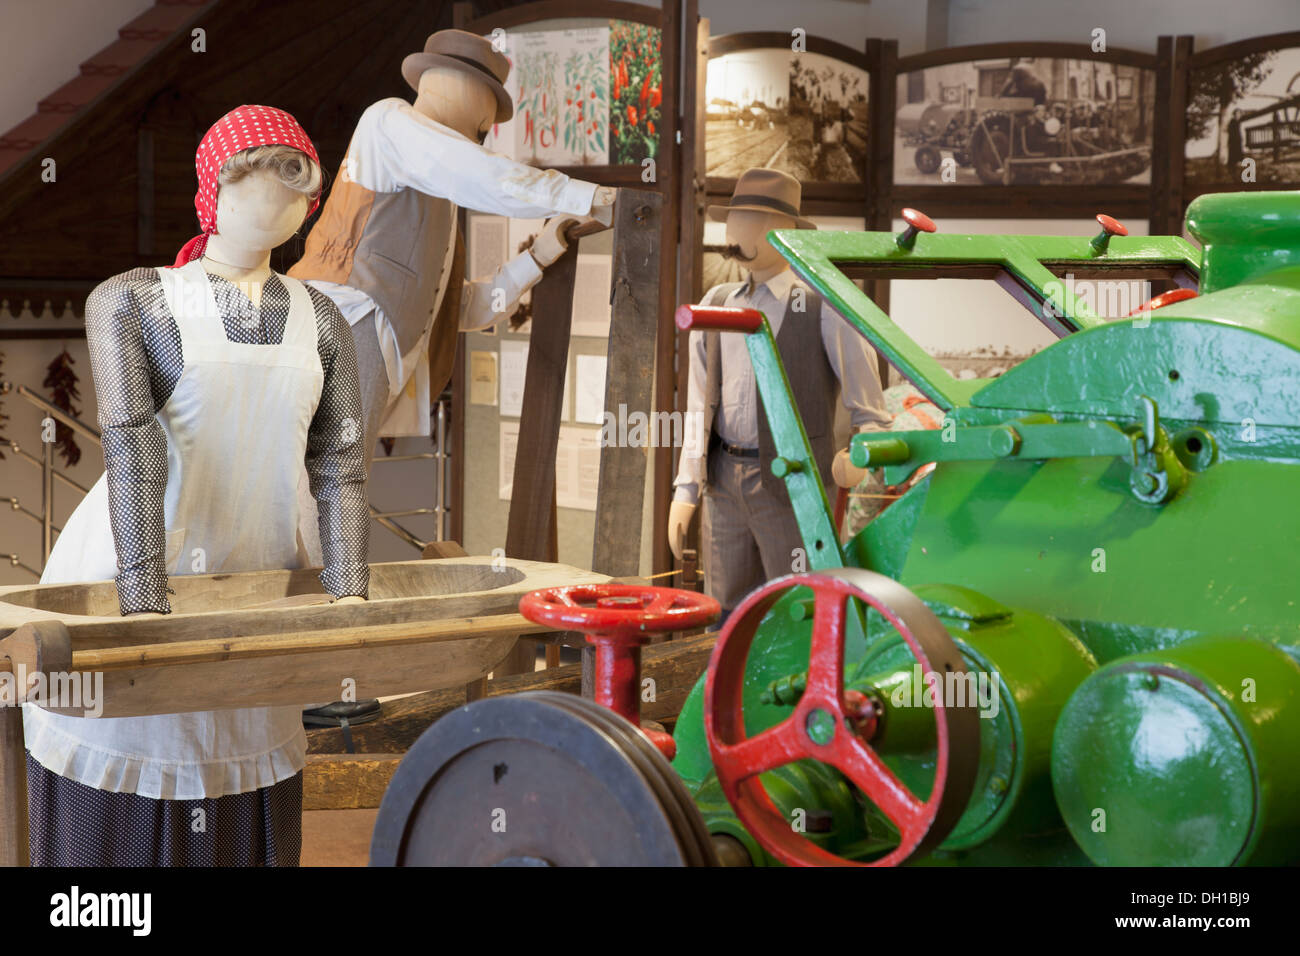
{"x":801,"y":112}
{"x":1024,"y":120}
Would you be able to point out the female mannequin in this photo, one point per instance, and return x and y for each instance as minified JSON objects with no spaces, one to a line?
{"x":216,"y":380}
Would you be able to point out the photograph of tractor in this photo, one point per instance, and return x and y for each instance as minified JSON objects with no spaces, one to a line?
{"x":1076,"y":640}
{"x":1024,"y":121}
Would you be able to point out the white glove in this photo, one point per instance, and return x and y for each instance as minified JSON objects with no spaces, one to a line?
{"x":845,"y":473}
{"x":679,"y":519}
{"x":602,"y":205}
{"x":550,"y":242}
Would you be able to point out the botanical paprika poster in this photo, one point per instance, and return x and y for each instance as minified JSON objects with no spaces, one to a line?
{"x":636,"y":95}
{"x":583,"y":97}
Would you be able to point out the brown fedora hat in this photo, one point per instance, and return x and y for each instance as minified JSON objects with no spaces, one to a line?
{"x":765,"y":190}
{"x":468,"y":53}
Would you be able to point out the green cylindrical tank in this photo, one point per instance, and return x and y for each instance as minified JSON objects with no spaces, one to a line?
{"x":1031,"y":662}
{"x":1184,"y":756}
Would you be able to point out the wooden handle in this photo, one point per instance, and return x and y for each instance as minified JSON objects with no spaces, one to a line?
{"x":579,"y":229}
{"x":299,"y":642}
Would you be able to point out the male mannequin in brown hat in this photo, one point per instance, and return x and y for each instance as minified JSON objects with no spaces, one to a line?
{"x":749,"y":533}
{"x":383,"y":246}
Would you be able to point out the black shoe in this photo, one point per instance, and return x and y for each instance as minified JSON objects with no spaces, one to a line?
{"x":342,"y":712}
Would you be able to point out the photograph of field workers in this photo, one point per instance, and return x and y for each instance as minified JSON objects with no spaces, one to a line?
{"x":801,"y":113}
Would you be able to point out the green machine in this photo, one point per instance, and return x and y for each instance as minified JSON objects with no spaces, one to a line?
{"x":1077,"y":639}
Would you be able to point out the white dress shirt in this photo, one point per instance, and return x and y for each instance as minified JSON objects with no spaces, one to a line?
{"x":397,"y":147}
{"x":851,"y":358}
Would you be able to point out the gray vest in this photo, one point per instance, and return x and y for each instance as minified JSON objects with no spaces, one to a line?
{"x":392,"y":246}
{"x":812,"y":381}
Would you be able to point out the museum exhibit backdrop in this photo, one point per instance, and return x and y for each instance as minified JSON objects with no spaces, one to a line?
{"x":800,"y":112}
{"x":1024,"y":120}
{"x":1243,"y":120}
{"x":583,"y":97}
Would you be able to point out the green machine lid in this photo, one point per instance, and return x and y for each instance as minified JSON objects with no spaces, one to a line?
{"x":1244,"y":234}
{"x":1149,"y":770}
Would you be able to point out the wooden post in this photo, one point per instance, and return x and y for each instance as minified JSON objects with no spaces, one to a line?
{"x":13,"y":788}
{"x":530,"y":531}
{"x":629,"y":384}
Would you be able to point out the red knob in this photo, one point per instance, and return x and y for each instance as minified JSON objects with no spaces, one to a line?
{"x":1111,"y":226}
{"x":919,"y":220}
{"x":1164,"y":299}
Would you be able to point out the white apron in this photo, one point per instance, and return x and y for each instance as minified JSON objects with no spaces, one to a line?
{"x":236,"y":427}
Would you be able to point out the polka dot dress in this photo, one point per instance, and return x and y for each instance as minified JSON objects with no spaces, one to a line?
{"x":71,"y":824}
{"x":136,"y":358}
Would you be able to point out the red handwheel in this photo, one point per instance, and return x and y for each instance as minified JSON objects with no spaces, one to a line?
{"x":827,"y":724}
{"x":618,"y":619}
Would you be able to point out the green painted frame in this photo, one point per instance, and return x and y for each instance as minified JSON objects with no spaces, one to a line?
{"x":1027,"y":261}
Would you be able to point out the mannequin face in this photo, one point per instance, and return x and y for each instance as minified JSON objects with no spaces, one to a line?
{"x":454,"y":98}
{"x":748,"y":229}
{"x":258,"y":213}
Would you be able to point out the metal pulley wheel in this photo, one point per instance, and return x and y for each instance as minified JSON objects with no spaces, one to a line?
{"x":828,"y":723}
{"x":537,"y":779}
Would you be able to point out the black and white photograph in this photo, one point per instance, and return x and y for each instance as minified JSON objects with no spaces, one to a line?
{"x":1243,"y":120}
{"x":1024,"y":120}
{"x":801,"y":113}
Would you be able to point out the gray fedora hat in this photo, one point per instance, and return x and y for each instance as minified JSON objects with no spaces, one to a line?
{"x":765,"y":190}
{"x":468,"y":53}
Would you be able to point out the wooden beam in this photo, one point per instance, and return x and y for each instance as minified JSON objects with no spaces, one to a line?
{"x":675,"y":667}
{"x":629,"y":380}
{"x":346,"y":781}
{"x":532,"y":497}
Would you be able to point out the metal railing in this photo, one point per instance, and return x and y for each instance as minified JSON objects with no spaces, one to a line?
{"x":441,"y":483}
{"x":50,"y":473}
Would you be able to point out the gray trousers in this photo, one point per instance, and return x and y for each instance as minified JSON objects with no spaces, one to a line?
{"x":374,"y":401}
{"x":748,"y":536}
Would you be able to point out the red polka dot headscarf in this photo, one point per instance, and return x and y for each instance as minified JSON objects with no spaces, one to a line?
{"x":238,"y":130}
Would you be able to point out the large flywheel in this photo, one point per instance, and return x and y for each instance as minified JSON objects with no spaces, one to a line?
{"x":537,"y":779}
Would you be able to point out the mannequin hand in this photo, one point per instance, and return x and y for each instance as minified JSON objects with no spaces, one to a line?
{"x":551,"y":244}
{"x":679,"y":519}
{"x":350,"y":599}
{"x":602,"y":205}
{"x":845,"y":473}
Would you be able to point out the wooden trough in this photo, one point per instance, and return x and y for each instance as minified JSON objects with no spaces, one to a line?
{"x":258,"y":639}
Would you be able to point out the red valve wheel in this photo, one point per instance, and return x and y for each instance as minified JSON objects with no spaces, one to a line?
{"x":618,"y":619}
{"x":1164,"y":299}
{"x":1111,"y":225}
{"x":919,"y":220}
{"x":619,"y":610}
{"x":823,"y":712}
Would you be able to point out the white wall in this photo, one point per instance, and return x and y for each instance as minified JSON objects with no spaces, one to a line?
{"x":43,"y":42}
{"x":1132,"y":24}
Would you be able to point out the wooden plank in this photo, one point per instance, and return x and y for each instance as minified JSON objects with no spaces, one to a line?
{"x":530,"y":530}
{"x":668,"y":165}
{"x":444,"y":549}
{"x":346,"y":781}
{"x":675,"y":667}
{"x":13,"y":789}
{"x":629,"y":380}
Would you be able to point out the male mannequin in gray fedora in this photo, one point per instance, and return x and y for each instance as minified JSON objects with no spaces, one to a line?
{"x":385,"y":246}
{"x":749,"y":533}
